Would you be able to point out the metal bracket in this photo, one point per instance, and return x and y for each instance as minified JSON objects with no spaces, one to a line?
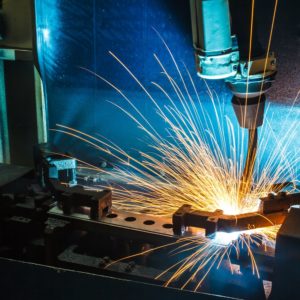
{"x":273,"y":211}
{"x":76,"y":199}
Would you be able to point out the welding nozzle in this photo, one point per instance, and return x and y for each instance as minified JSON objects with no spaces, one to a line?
{"x":249,"y":112}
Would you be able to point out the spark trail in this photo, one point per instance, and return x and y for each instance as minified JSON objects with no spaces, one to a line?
{"x":199,"y":163}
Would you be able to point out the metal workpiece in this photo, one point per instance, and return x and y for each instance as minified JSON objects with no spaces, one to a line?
{"x":273,"y":210}
{"x":98,"y":204}
{"x":212,"y":222}
{"x":129,"y":225}
{"x":216,"y":51}
{"x":78,"y":205}
{"x":280,"y":202}
{"x":93,"y":210}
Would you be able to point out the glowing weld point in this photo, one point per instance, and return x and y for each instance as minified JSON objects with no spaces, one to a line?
{"x":225,"y":238}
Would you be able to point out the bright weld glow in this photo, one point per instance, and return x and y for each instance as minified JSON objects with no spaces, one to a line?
{"x":225,"y":238}
{"x":198,"y":165}
{"x":232,"y":210}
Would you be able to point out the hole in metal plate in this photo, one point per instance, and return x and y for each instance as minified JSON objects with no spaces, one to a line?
{"x":168,"y":226}
{"x":111,"y":216}
{"x":149,"y":222}
{"x":130,"y":219}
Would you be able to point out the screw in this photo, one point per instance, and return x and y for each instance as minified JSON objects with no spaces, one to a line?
{"x":103,"y":164}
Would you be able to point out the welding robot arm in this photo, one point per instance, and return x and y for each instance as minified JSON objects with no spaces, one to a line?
{"x":221,"y":36}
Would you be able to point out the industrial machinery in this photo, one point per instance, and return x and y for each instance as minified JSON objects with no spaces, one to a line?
{"x":227,"y":47}
{"x":67,"y":227}
{"x":60,"y":238}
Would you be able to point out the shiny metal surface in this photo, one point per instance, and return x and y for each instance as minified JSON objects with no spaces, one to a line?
{"x":144,"y":226}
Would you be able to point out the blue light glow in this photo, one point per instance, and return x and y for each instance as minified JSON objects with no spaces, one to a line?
{"x":80,"y":34}
{"x":225,"y":238}
{"x":46,"y":35}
